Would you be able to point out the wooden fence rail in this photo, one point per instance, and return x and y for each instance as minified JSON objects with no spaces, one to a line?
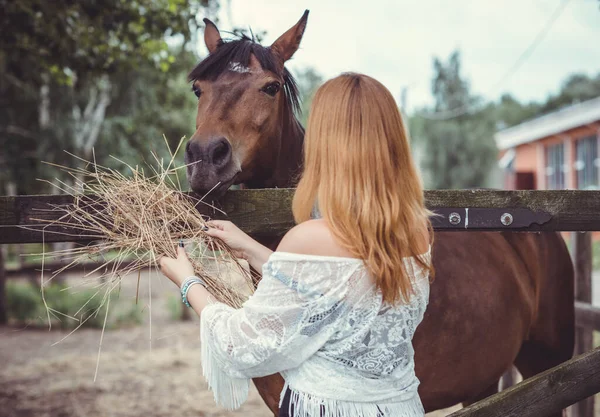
{"x":545,"y":393}
{"x":587,"y":316}
{"x":581,"y":252}
{"x":30,"y":270}
{"x":268,"y":212}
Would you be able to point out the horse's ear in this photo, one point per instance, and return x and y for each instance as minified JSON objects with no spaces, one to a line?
{"x":212,"y":37}
{"x":287,"y":44}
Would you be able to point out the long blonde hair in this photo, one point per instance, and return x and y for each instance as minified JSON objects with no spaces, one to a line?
{"x":359,"y":168}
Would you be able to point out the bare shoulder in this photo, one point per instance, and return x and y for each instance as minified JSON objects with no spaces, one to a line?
{"x":312,"y":237}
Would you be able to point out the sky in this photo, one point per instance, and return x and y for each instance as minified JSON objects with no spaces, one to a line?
{"x":395,"y":41}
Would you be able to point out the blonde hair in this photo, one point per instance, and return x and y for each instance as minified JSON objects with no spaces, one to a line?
{"x":359,"y":168}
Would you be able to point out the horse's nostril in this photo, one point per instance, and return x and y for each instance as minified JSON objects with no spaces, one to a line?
{"x":221,"y":152}
{"x":193,"y":151}
{"x":216,"y":152}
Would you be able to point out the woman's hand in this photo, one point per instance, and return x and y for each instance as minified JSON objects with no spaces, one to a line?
{"x":177,"y":269}
{"x":242,"y":245}
{"x":239,"y":242}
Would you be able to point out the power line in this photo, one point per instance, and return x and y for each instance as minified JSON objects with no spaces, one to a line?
{"x":468,"y":108}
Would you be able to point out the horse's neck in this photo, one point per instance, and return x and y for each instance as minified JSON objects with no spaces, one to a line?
{"x":288,"y":164}
{"x":288,"y":167}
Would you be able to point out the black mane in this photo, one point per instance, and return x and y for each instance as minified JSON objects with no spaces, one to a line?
{"x":239,"y":50}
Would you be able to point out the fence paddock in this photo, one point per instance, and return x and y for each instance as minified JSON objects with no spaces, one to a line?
{"x":268,"y":213}
{"x":545,"y":393}
{"x":584,"y":335}
{"x":3,"y":306}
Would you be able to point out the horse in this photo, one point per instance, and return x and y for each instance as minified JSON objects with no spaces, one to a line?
{"x":498,"y":298}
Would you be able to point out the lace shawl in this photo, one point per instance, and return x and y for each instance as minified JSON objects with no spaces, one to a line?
{"x":321,"y":322}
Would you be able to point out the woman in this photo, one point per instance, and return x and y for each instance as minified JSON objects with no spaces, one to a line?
{"x":340,"y":299}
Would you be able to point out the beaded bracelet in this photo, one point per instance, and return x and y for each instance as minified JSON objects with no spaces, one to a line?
{"x":186,"y":285}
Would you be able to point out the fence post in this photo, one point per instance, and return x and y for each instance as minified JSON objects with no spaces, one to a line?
{"x":582,"y":254}
{"x":3,"y":307}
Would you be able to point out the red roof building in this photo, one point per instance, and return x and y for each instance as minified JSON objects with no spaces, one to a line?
{"x":559,"y":150}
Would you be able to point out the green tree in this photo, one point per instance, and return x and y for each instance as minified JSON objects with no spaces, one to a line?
{"x":309,"y":80}
{"x":450,"y":90}
{"x":457,"y":150}
{"x":509,"y":111}
{"x":146,"y":105}
{"x":65,"y":37}
{"x":73,"y":73}
{"x":576,"y":88}
{"x":58,"y":63}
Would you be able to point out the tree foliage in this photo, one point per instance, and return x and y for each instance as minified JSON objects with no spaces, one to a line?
{"x":309,"y":80}
{"x":146,"y":105}
{"x":576,"y":88}
{"x":455,"y":153}
{"x":65,"y":37}
{"x":77,"y":75}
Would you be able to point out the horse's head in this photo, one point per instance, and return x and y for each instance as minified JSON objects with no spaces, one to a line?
{"x":246,"y":110}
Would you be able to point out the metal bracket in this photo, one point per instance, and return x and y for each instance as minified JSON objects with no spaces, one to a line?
{"x":487,"y":218}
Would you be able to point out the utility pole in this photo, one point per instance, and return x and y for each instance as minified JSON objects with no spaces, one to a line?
{"x":404,"y":101}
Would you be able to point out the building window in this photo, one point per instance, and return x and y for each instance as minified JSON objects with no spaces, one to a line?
{"x":586,"y":163}
{"x":555,"y":164}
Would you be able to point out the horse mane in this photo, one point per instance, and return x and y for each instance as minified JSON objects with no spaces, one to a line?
{"x":239,"y":51}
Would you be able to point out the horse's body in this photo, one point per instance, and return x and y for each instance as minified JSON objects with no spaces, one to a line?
{"x":498,"y":298}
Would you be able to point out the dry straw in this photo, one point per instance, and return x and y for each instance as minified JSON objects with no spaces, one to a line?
{"x":134,"y":219}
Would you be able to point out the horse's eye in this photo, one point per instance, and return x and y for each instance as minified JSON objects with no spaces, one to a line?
{"x":197,"y":91}
{"x":271,"y":89}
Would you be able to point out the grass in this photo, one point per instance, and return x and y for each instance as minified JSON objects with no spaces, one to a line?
{"x":17,"y":255}
{"x":67,"y":309}
{"x":596,"y":255}
{"x":175,"y":307}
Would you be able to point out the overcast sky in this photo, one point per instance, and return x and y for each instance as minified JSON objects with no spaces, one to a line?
{"x":396,"y":40}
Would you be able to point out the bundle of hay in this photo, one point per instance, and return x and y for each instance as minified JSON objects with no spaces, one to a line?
{"x":137,"y":218}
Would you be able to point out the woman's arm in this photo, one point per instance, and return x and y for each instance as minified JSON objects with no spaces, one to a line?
{"x":180,"y":268}
{"x":289,"y":317}
{"x":242,"y":245}
{"x":312,"y":237}
{"x":199,"y":298}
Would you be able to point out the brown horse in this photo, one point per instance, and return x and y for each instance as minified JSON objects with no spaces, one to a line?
{"x":498,"y":299}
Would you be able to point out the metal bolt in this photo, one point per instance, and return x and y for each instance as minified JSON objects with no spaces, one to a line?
{"x":506,"y":219}
{"x":454,"y":218}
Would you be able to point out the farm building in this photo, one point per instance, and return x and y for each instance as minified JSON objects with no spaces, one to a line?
{"x":556,"y":151}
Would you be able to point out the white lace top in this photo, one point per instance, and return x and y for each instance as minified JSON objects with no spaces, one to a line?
{"x":321,"y":322}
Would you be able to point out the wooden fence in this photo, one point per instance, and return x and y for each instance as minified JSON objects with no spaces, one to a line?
{"x":268,"y":213}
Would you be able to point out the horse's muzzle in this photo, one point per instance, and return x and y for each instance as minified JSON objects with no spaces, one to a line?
{"x":216,"y":152}
{"x":210,"y":166}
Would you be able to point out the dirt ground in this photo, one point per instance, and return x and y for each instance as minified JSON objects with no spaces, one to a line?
{"x":149,"y":371}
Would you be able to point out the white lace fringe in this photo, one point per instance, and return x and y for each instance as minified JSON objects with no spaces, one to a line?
{"x":228,"y":392}
{"x":307,"y":405}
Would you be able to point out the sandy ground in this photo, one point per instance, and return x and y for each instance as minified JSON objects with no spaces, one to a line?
{"x":132,"y":380}
{"x":146,"y":370}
